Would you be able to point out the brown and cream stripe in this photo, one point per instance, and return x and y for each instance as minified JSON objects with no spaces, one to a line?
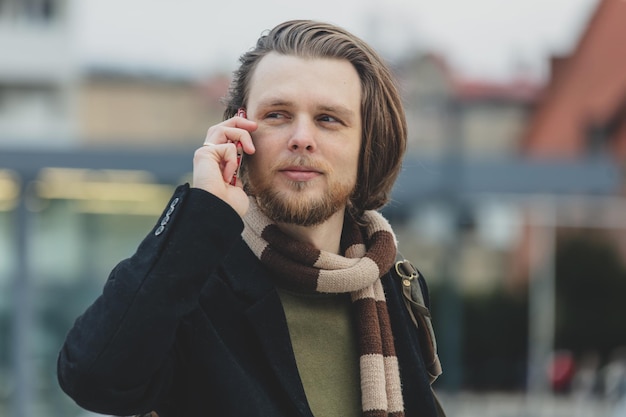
{"x":369,"y":252}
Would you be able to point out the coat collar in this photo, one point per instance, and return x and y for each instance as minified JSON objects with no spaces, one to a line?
{"x":250,"y":281}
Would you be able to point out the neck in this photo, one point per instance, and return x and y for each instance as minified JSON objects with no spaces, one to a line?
{"x":325,"y":236}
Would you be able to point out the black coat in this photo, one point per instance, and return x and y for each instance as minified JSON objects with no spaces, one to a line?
{"x":191,"y":325}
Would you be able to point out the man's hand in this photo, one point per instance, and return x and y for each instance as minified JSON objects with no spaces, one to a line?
{"x":215,"y":163}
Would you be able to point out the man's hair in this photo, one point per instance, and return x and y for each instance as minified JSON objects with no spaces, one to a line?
{"x":384,"y":123}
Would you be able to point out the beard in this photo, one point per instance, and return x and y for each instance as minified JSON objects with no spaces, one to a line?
{"x":297,"y":205}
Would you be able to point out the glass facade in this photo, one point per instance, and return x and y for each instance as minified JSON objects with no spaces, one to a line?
{"x":58,"y":242}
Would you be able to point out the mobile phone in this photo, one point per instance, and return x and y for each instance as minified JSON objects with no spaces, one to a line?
{"x":241,"y":112}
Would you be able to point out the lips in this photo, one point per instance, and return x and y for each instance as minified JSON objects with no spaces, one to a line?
{"x":300,"y":173}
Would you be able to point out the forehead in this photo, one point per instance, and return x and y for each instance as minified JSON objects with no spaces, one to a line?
{"x":294,"y":77}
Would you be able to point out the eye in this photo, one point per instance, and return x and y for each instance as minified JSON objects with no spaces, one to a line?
{"x":325,"y":118}
{"x":274,"y":115}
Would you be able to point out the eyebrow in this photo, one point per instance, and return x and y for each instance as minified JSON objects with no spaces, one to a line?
{"x":272,"y":102}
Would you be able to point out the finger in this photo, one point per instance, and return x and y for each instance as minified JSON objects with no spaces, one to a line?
{"x":231,"y":162}
{"x":213,"y":166}
{"x":220,"y":134}
{"x":224,"y":155}
{"x":240,"y":123}
{"x":246,"y":124}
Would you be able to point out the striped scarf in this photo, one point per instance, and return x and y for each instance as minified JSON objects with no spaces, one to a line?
{"x":369,"y":252}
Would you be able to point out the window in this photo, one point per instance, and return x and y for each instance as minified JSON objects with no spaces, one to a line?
{"x":39,"y":10}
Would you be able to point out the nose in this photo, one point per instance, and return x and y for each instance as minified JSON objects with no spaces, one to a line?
{"x":303,"y":136}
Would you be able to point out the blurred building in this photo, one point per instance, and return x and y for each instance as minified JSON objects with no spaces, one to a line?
{"x":38,"y":73}
{"x":583,"y":109}
{"x":573,"y":248}
{"x":581,"y":114}
{"x":48,"y":98}
{"x":457,"y":125}
{"x":490,"y":115}
{"x":516,"y":167}
{"x":122,"y":108}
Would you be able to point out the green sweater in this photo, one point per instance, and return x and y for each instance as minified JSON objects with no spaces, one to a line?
{"x":324,"y":341}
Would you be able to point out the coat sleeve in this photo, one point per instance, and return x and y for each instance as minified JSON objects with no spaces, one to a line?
{"x":120,"y":357}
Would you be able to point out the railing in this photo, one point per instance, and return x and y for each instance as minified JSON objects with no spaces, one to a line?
{"x":521,"y":405}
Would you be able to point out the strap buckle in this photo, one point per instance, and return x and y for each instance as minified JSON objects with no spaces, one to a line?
{"x":406,"y":271}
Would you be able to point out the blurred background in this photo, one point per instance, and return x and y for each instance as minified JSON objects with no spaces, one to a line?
{"x":510,"y":201}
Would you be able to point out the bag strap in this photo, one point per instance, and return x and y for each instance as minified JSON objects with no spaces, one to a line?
{"x":417,"y":301}
{"x":416,"y":298}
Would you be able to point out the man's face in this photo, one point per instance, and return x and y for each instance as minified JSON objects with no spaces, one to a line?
{"x":308,"y":139}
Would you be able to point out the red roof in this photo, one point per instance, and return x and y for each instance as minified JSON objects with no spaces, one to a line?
{"x":517,"y":90}
{"x":586,"y":90}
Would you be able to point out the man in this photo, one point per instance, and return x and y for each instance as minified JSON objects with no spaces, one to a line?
{"x":272,"y":296}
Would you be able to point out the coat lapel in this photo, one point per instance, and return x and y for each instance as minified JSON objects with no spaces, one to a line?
{"x":250,"y":280}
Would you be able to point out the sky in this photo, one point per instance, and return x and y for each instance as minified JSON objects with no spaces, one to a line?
{"x":484,"y":39}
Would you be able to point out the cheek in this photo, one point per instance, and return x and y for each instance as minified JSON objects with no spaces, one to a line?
{"x":261,"y":162}
{"x":252,"y":163}
{"x":265,"y":145}
{"x":347,"y":168}
{"x":352,"y":162}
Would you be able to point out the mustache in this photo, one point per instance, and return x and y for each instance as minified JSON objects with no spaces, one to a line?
{"x":302,"y":161}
